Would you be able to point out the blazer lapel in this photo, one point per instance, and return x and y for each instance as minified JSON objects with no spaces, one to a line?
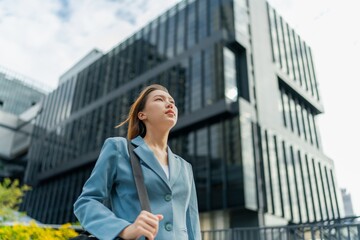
{"x":174,"y":165}
{"x":148,"y":157}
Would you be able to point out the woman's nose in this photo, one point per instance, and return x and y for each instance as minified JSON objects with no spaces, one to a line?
{"x":170,"y":105}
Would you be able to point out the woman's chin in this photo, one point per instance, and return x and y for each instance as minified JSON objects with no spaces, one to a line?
{"x":170,"y":123}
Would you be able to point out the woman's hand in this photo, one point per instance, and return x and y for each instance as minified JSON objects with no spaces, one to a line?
{"x":146,"y":224}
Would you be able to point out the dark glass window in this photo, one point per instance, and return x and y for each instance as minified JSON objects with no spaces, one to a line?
{"x":279,"y":39}
{"x":307,"y":190}
{"x":215,"y":19}
{"x":275,"y":185}
{"x":200,"y":165}
{"x":306,"y":67}
{"x":305,"y":123}
{"x":320,"y":190}
{"x":288,"y":153}
{"x":191,"y":25}
{"x":314,"y":196}
{"x":247,"y":151}
{"x":327,"y":199}
{"x":294,"y":56}
{"x":209,"y":77}
{"x":331,"y":192}
{"x":309,"y":126}
{"x":282,"y":41}
{"x":171,"y":34}
{"x":288,"y":56}
{"x":185,"y":69}
{"x":284,"y":186}
{"x":203,"y":18}
{"x":267,"y":173}
{"x":300,"y":187}
{"x":273,"y":34}
{"x":234,"y":166}
{"x":217,"y":165}
{"x":304,"y":76}
{"x":299,"y":119}
{"x":285,"y":108}
{"x":180,"y":27}
{"x":231,"y":90}
{"x":292,"y":112}
{"x":162,"y":36}
{"x":313,"y":128}
{"x":196,"y":84}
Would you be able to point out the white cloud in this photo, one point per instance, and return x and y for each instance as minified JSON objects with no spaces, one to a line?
{"x":36,"y":41}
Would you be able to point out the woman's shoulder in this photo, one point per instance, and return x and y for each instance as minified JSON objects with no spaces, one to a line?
{"x":116,"y":139}
{"x":119,"y":142}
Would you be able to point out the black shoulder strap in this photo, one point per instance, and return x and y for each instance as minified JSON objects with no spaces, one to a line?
{"x":139,"y":178}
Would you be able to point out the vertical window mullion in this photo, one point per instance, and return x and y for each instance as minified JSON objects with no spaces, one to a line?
{"x":280,"y":42}
{"x":285,"y":47}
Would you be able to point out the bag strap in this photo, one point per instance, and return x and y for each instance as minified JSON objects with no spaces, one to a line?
{"x":139,"y":178}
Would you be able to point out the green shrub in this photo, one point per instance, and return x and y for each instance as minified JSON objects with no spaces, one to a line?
{"x":11,"y":194}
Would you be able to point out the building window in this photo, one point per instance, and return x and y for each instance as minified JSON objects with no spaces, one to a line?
{"x":231,"y":90}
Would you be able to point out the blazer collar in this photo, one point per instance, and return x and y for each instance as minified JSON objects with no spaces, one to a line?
{"x":147,"y":156}
{"x":174,"y":165}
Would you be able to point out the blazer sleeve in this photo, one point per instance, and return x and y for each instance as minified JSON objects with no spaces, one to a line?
{"x":192,"y":213}
{"x":93,"y":215}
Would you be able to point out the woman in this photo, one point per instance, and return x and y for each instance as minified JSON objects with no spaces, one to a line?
{"x":168,"y":178}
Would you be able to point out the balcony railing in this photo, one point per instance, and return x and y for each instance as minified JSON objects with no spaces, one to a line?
{"x":344,"y":230}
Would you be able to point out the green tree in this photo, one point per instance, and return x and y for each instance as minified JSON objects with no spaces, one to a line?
{"x":11,"y":194}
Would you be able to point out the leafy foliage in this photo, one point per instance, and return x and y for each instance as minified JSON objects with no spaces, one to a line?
{"x":11,"y":194}
{"x":35,"y":232}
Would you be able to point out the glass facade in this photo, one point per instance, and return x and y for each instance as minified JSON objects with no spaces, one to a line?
{"x":298,"y":115}
{"x":18,"y":93}
{"x":297,"y":187}
{"x":239,"y":165}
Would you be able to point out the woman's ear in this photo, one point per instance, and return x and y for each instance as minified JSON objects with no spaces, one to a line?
{"x":141,"y":116}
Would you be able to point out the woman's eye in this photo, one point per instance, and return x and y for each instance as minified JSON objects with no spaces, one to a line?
{"x":157,"y":99}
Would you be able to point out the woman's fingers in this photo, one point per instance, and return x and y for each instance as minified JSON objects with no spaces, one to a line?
{"x":146,"y":224}
{"x":159,"y":218}
{"x":150,"y":222}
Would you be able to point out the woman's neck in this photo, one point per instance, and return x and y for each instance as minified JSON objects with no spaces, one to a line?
{"x":156,"y":140}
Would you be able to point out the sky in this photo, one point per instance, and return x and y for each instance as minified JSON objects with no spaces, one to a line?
{"x":43,"y":39}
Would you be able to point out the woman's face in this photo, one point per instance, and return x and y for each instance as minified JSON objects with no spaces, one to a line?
{"x":159,"y":111}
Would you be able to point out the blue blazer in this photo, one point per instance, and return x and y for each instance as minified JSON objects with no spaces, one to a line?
{"x":112,"y":179}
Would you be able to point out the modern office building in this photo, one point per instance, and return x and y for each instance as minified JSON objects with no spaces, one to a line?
{"x":246,"y":89}
{"x":348,"y":206}
{"x":15,"y":139}
{"x":20,"y":103}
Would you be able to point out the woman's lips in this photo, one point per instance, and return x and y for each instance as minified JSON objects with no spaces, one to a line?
{"x":170,"y":112}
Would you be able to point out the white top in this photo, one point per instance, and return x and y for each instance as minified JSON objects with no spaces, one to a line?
{"x":166,"y":170}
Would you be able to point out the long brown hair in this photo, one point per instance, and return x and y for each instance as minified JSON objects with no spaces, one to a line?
{"x":136,"y":126}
